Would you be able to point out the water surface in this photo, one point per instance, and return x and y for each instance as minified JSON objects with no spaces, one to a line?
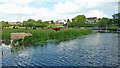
{"x":96,"y":49}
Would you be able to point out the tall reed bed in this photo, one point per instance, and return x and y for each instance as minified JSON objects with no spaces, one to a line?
{"x":41,"y":36}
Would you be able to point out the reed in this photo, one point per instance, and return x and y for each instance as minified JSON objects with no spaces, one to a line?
{"x":40,"y":36}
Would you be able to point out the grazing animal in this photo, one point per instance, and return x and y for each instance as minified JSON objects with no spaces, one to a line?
{"x":18,"y":36}
{"x":42,"y":28}
{"x":34,"y":28}
{"x":14,"y":27}
{"x":57,"y":29}
{"x":26,"y":28}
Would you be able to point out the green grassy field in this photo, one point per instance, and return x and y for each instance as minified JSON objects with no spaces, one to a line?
{"x":42,"y":36}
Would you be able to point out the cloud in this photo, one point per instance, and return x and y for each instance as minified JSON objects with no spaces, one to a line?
{"x":39,"y":3}
{"x":95,"y":13}
{"x":19,"y":10}
{"x":16,"y":1}
{"x":71,"y":9}
{"x":66,"y":7}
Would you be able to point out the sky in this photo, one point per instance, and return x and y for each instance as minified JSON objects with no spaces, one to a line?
{"x":46,"y":10}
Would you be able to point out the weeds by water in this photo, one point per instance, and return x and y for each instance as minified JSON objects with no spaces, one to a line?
{"x":40,"y":37}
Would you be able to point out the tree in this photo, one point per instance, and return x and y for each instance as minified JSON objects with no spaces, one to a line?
{"x":68,"y":20}
{"x":110,"y":22}
{"x":24,"y":23}
{"x":37,"y":24}
{"x":30,"y":24}
{"x":31,"y":20}
{"x":5,"y":25}
{"x":103,"y":22}
{"x":39,"y":21}
{"x":18,"y":22}
{"x":116,"y":18}
{"x":73,"y":20}
{"x":2,"y":21}
{"x":79,"y":19}
{"x":52,"y":22}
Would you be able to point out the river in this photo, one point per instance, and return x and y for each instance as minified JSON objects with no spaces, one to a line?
{"x":96,"y":49}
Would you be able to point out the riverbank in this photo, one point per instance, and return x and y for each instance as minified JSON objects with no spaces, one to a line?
{"x":95,"y":49}
{"x":40,"y":36}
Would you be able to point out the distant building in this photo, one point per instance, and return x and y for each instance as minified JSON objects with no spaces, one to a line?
{"x":13,"y":23}
{"x":63,"y":21}
{"x":92,"y":20}
{"x":48,"y":21}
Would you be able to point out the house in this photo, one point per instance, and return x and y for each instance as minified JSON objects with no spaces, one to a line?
{"x":13,"y":23}
{"x":92,"y":20}
{"x":63,"y":21}
{"x":48,"y":21}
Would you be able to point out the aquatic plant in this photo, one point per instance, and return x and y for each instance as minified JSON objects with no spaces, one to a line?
{"x":39,"y":36}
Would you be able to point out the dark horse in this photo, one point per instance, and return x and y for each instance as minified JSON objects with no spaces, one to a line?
{"x":56,"y":28}
{"x":34,"y":28}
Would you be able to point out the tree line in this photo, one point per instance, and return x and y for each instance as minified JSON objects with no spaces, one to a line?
{"x":78,"y":21}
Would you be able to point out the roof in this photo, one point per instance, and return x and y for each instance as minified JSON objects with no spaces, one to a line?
{"x":12,"y":23}
{"x":47,"y":21}
{"x":59,"y":20}
{"x":62,"y":20}
{"x":91,"y":17}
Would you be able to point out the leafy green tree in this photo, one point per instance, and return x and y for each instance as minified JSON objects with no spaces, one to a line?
{"x":24,"y":23}
{"x":31,"y":20}
{"x":116,"y":18}
{"x":30,"y":24}
{"x":103,"y":22}
{"x":39,"y":21}
{"x":18,"y":22}
{"x":37,"y":24}
{"x":52,"y":22}
{"x":68,"y":20}
{"x":2,"y":21}
{"x":110,"y":22}
{"x":6,"y":22}
{"x":73,"y":20}
{"x":5,"y":25}
{"x":80,"y":19}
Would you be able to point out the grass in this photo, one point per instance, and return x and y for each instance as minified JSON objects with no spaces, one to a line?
{"x":42,"y":36}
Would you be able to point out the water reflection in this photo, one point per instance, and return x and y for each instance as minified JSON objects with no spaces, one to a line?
{"x":97,"y":49}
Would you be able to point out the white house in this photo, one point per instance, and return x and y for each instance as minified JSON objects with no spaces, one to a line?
{"x":48,"y":21}
{"x":63,"y":21}
{"x":92,"y":20}
{"x":13,"y":23}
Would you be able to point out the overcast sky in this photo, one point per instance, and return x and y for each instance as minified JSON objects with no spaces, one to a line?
{"x":19,"y":10}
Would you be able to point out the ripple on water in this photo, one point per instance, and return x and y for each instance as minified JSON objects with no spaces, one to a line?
{"x":90,"y":50}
